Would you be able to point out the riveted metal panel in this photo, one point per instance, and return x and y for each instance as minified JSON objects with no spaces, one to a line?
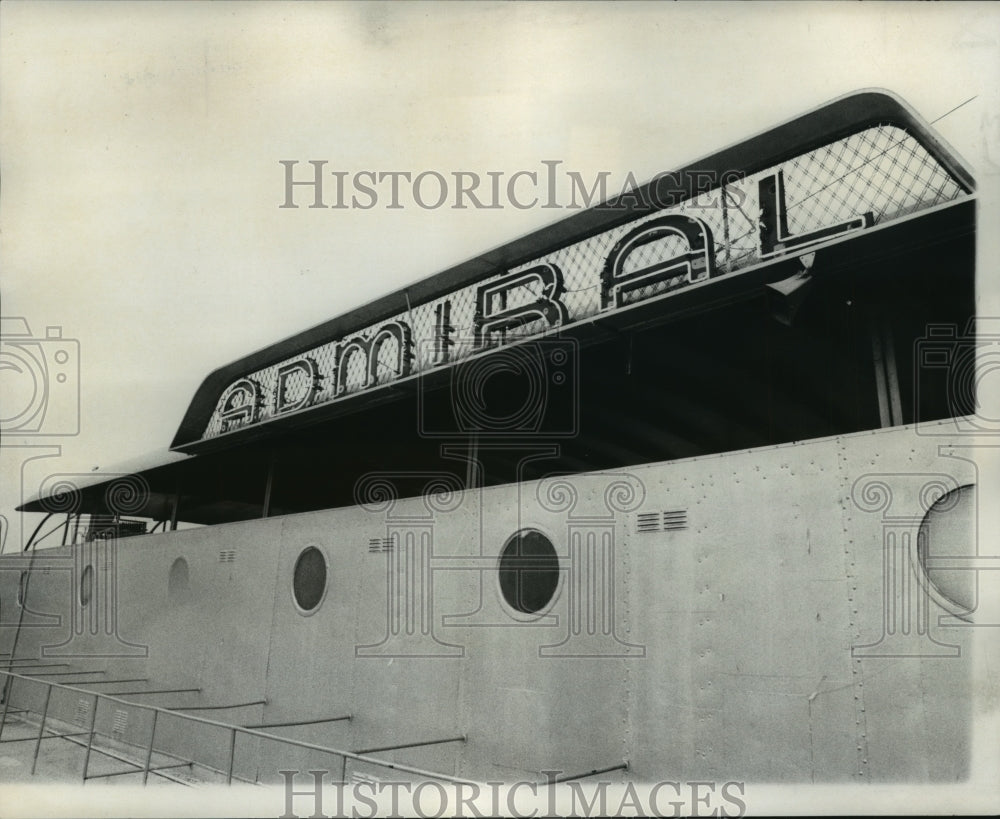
{"x":754,"y":644}
{"x":912,"y":659}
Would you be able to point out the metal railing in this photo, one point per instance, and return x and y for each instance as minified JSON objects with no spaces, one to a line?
{"x":147,"y":768}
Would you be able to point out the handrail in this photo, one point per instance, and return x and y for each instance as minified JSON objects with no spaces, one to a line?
{"x":311,"y":746}
{"x":297,"y":722}
{"x":622,"y":766}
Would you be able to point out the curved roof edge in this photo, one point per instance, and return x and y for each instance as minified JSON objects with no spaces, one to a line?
{"x":99,"y":476}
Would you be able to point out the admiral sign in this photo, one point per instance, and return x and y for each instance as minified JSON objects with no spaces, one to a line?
{"x":871,"y":177}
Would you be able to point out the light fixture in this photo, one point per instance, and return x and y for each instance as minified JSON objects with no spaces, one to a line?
{"x":785,"y":297}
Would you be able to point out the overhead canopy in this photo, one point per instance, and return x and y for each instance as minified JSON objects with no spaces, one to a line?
{"x":139,"y":487}
{"x":154,"y":486}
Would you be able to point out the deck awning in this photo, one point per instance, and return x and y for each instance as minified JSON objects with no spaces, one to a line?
{"x":138,"y":487}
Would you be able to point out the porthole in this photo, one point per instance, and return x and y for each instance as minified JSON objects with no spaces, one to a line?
{"x":309,"y":580}
{"x":947,"y":537}
{"x":528,"y":571}
{"x":86,"y":585}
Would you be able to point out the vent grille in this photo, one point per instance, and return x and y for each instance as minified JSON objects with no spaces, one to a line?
{"x":647,"y":522}
{"x":381,"y":544}
{"x":227,"y":556}
{"x":119,"y":724}
{"x":664,"y":521}
{"x":82,"y":712}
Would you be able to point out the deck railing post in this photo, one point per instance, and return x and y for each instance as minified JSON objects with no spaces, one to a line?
{"x":232,"y":756}
{"x":233,"y":730}
{"x":149,"y":750}
{"x":41,"y":727}
{"x":9,"y":689}
{"x":90,"y":737}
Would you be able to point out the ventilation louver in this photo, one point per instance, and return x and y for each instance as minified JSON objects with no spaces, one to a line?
{"x":664,"y":521}
{"x":381,"y":544}
{"x":120,"y":723}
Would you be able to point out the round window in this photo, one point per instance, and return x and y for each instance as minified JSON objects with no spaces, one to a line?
{"x":309,"y":579}
{"x":86,"y":585}
{"x":529,"y":571}
{"x":948,"y":536}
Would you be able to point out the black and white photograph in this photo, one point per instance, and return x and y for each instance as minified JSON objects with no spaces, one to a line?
{"x":499,"y":409}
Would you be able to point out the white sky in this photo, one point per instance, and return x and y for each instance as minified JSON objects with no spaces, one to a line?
{"x":139,"y":148}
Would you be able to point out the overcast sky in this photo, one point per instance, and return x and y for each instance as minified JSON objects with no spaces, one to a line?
{"x":140,"y":147}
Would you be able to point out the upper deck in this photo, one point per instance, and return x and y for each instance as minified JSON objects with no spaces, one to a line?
{"x":776,"y":290}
